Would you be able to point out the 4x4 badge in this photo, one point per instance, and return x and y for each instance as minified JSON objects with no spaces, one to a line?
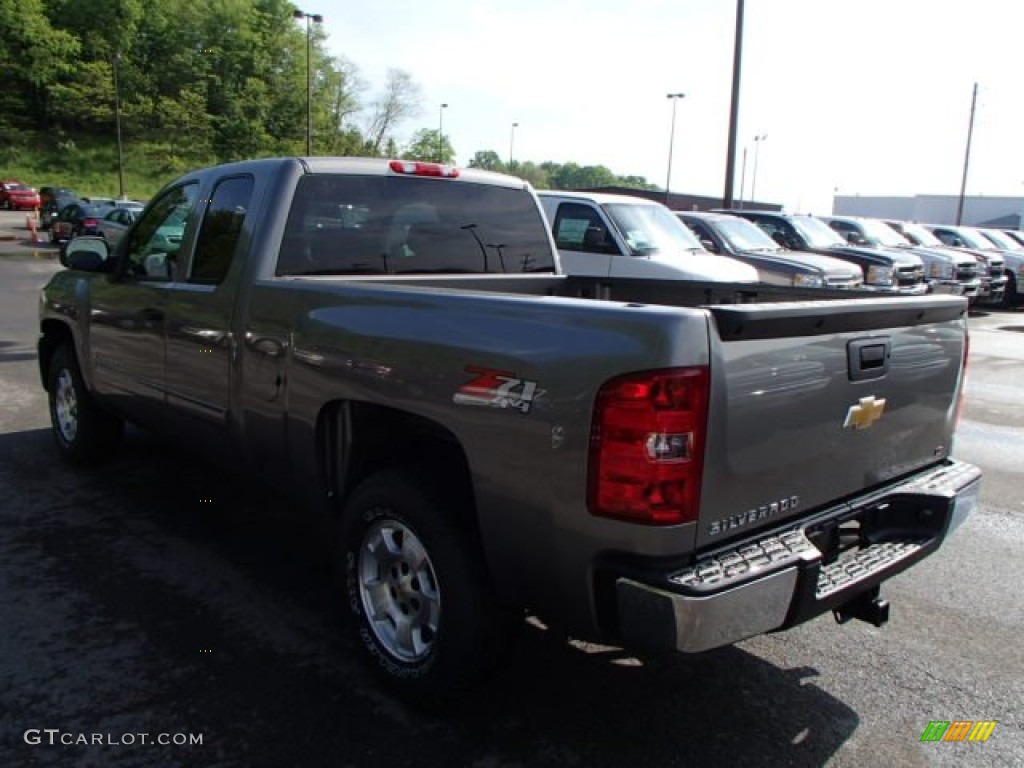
{"x":864,"y":413}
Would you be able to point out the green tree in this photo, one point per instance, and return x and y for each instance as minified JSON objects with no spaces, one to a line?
{"x":573,"y":176}
{"x":533,"y":173}
{"x":488,"y":160}
{"x":429,"y":145}
{"x":33,"y":55}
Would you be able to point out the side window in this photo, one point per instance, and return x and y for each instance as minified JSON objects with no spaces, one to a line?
{"x":221,"y":230}
{"x":152,"y":251}
{"x":704,"y":235}
{"x":790,"y":237}
{"x":579,"y":228}
{"x":770,"y":227}
{"x":841,"y":226}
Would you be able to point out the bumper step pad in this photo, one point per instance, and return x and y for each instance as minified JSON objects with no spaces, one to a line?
{"x":862,"y":564}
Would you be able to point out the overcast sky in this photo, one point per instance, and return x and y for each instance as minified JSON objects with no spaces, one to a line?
{"x":866,"y":97}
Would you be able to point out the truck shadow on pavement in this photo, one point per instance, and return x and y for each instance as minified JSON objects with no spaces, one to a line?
{"x":194,"y":601}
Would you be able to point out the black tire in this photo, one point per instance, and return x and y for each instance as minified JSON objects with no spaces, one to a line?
{"x":1011,"y":297}
{"x":84,"y":433}
{"x":445,"y":597}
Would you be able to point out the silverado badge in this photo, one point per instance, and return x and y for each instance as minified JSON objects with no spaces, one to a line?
{"x":865,"y":413}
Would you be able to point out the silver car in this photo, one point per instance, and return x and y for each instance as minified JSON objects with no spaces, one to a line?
{"x":117,"y":221}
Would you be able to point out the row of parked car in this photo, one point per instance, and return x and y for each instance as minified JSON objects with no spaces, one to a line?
{"x":613,"y":235}
{"x":66,"y":214}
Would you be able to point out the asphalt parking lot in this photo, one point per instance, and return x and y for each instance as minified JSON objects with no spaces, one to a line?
{"x":153,"y":595}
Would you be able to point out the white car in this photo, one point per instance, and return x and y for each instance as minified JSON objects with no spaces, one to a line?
{"x":604,"y":235}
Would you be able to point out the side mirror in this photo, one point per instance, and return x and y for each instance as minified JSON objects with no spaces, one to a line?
{"x":86,"y":254}
{"x":855,"y":238}
{"x":709,"y":245}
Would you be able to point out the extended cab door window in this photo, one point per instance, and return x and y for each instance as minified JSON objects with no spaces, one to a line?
{"x":221,"y":230}
{"x":200,"y":341}
{"x":152,"y":249}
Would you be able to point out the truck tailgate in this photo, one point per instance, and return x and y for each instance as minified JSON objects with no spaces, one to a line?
{"x":813,"y":402}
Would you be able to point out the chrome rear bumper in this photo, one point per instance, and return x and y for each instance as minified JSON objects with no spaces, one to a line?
{"x":795,"y":573}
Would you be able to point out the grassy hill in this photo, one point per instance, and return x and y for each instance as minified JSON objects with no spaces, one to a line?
{"x":88,"y":164}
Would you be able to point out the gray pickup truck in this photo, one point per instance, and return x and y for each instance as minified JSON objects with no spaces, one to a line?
{"x":657,"y":464}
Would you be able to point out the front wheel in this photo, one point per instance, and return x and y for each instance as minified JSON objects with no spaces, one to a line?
{"x":1011,"y":297}
{"x":422,"y":610}
{"x":83,"y":432}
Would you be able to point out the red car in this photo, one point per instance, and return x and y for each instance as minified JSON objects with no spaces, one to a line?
{"x":15,"y":195}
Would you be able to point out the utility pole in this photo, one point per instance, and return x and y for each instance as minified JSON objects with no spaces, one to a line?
{"x":757,"y":151}
{"x":967,"y":157}
{"x":743,"y":180}
{"x":734,"y":110}
{"x":440,"y":133}
{"x":674,"y":97}
{"x":309,"y":73}
{"x":117,"y":121}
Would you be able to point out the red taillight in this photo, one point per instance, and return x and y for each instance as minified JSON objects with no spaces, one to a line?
{"x":89,"y":222}
{"x":416,"y":168}
{"x":647,"y":446}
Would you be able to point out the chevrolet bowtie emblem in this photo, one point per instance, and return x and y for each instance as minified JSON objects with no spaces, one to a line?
{"x":865,"y":413}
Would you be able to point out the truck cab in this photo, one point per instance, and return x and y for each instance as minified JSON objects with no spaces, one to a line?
{"x":740,"y":239}
{"x":884,"y":270}
{"x":999,"y":256}
{"x":946,"y":270}
{"x":604,"y":235}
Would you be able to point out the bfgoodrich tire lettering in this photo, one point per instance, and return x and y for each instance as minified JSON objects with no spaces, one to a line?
{"x":422,"y":610}
{"x":83,"y":432}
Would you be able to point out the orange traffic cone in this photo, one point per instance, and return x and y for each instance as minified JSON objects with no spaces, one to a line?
{"x":30,"y":224}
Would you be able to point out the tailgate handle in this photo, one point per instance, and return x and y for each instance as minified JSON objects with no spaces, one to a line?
{"x":868,"y":358}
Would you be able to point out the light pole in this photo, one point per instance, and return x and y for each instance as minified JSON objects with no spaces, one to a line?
{"x":512,"y":144}
{"x":753,"y":181}
{"x":967,"y":158}
{"x":734,"y":107}
{"x":743,"y":179}
{"x":309,"y":73}
{"x":117,"y":121}
{"x":673,"y":97}
{"x":440,"y":133}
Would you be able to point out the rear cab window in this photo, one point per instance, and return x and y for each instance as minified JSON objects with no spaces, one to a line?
{"x":385,"y":225}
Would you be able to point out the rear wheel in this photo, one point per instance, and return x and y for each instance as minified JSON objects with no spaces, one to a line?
{"x":83,"y":432}
{"x":422,"y":609}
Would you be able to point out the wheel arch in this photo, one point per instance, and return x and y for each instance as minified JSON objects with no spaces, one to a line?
{"x":53,"y":334}
{"x":357,"y":439}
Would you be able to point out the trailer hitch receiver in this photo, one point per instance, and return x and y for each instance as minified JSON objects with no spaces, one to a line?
{"x":867,"y":606}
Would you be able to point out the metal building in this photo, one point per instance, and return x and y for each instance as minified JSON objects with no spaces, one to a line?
{"x":1001,"y":212}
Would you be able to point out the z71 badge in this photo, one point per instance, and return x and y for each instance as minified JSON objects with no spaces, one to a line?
{"x":497,"y":389}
